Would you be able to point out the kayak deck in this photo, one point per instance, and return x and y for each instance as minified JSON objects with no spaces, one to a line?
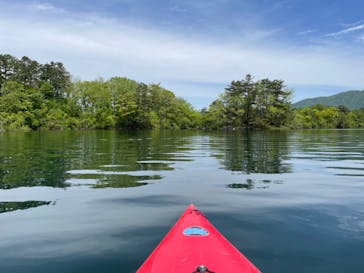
{"x":195,"y":245}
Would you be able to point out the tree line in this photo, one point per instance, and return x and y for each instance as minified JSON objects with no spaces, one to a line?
{"x":35,"y":96}
{"x":331,"y":117}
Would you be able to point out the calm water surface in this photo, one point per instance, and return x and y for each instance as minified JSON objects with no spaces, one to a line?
{"x":100,"y":201}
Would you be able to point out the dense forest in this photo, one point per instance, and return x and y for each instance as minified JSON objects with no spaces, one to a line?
{"x":36,"y":96}
{"x":331,"y":117}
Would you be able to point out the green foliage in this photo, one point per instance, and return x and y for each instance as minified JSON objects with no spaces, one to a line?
{"x":33,"y":74}
{"x":249,"y":104}
{"x":35,"y":96}
{"x":321,"y":116}
{"x":12,"y":121}
{"x":214,"y":117}
{"x":8,"y":66}
{"x":55,"y":74}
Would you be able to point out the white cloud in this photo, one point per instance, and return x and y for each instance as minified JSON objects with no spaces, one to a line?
{"x":177,"y":8}
{"x":46,"y":7}
{"x":306,"y":32}
{"x":353,"y":24}
{"x":346,"y":30}
{"x":259,"y":34}
{"x":91,"y":46}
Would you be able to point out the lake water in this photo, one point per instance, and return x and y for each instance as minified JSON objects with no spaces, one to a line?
{"x":100,"y":201}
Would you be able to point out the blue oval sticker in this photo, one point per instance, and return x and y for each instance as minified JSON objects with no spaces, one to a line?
{"x":195,"y":231}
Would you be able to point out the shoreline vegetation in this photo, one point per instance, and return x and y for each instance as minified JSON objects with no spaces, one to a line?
{"x":36,"y":96}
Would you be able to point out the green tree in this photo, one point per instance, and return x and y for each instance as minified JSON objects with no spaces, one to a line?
{"x":56,"y":75}
{"x":214,"y":117}
{"x":239,"y":100}
{"x":343,"y":117}
{"x":278,"y":107}
{"x":123,"y":101}
{"x":8,"y":66}
{"x":144,"y":106}
{"x":249,"y":104}
{"x":18,"y":104}
{"x":14,"y":98}
{"x":28,"y":72}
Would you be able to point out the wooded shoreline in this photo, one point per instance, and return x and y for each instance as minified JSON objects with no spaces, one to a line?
{"x":37,"y":96}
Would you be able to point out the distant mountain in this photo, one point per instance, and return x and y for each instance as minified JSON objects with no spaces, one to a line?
{"x":350,"y":99}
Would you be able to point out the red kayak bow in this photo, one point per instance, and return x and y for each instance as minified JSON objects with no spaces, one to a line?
{"x":194,"y":245}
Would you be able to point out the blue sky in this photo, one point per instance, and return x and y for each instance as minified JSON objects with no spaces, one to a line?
{"x":195,"y":47}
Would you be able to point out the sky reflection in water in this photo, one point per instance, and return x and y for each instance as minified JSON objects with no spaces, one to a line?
{"x":291,"y":201}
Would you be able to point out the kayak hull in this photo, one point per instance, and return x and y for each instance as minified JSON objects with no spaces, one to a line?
{"x":192,"y":242}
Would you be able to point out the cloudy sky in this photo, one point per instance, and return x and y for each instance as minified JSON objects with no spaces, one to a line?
{"x":195,"y":47}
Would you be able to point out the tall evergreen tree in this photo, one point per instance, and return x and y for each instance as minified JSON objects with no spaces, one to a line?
{"x":8,"y":65}
{"x":56,"y":74}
